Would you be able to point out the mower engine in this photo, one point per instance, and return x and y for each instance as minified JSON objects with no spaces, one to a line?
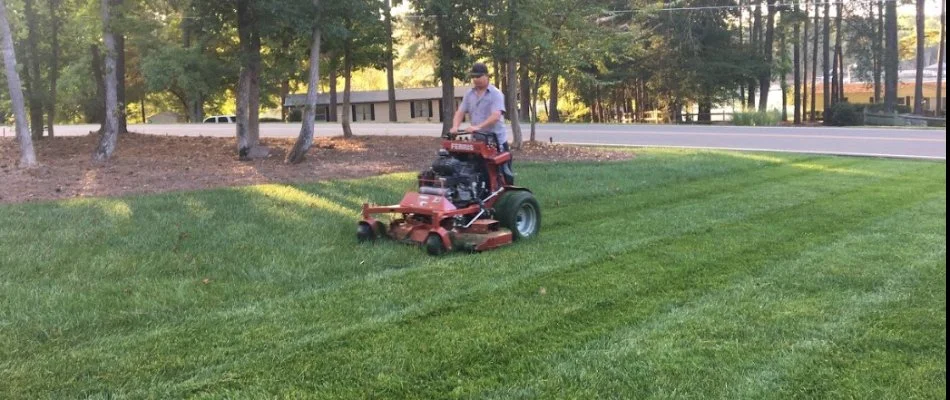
{"x":460,"y":181}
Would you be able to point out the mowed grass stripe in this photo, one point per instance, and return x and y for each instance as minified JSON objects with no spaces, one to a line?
{"x":734,"y":342}
{"x":688,"y":279}
{"x":257,"y":307}
{"x":402,"y":313}
{"x":451,"y":308}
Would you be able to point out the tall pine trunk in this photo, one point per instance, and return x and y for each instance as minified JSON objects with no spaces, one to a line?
{"x":797,"y":70}
{"x":814,"y":67}
{"x":941,"y":54}
{"x":919,"y":81}
{"x":347,"y":78}
{"x":27,"y":154}
{"x":54,"y":66}
{"x":390,"y":69}
{"x":878,"y":51}
{"x":765,"y":79}
{"x":890,"y":57}
{"x":305,"y":138}
{"x":825,"y":62}
{"x":110,"y":125}
{"x":32,"y":72}
{"x":553,"y":115}
{"x":804,"y":40}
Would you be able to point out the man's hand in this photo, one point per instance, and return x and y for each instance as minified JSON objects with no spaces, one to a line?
{"x":471,"y":129}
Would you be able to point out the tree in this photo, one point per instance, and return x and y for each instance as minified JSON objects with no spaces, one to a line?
{"x":940,"y":57}
{"x":814,"y":65}
{"x":390,"y":69}
{"x":34,"y":87}
{"x":450,"y":23}
{"x":919,"y":82}
{"x":305,"y":139}
{"x":107,"y":141}
{"x":27,"y":155}
{"x":796,"y":60}
{"x":890,"y":57}
{"x":55,"y":21}
{"x":765,"y":77}
{"x":825,"y":61}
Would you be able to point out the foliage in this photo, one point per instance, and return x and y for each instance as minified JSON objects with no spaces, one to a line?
{"x":756,"y":118}
{"x":709,"y":275}
{"x":846,"y":114}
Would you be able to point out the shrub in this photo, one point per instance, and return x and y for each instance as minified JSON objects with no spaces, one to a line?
{"x":846,"y":114}
{"x":756,"y":118}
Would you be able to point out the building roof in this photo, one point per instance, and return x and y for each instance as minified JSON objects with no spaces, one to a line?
{"x":376,"y":96}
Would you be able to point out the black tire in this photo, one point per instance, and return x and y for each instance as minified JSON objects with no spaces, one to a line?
{"x":520,"y":212}
{"x":364,"y":232}
{"x":381,"y":230}
{"x":434,"y":245}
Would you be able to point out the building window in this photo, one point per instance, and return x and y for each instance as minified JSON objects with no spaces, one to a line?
{"x":871,"y":100}
{"x":321,"y":113}
{"x":901,"y":101}
{"x":363,"y":112}
{"x":421,"y":108}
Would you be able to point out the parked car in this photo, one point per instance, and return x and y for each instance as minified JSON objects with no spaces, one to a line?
{"x":220,"y":119}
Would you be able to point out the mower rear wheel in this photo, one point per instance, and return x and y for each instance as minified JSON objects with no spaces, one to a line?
{"x":434,"y":245}
{"x":364,"y":232}
{"x":520,"y":212}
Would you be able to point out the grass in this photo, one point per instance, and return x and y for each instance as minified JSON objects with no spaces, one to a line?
{"x":680,"y":274}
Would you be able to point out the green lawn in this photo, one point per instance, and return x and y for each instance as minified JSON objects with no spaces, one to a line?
{"x":679,"y":274}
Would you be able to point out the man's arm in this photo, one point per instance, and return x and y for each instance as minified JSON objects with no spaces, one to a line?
{"x":457,"y":119}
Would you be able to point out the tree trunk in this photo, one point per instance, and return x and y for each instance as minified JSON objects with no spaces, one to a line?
{"x":34,"y":86}
{"x":284,"y":92}
{"x":110,"y":125}
{"x":54,"y":66}
{"x":783,"y":82}
{"x":245,"y":20}
{"x":919,"y":82}
{"x":765,"y":79}
{"x":534,"y":107}
{"x":797,"y":71}
{"x":347,"y":77}
{"x":941,"y":58}
{"x":834,"y":78}
{"x":446,"y":74}
{"x":305,"y":138}
{"x":333,"y":92}
{"x":123,"y":123}
{"x":890,"y":57}
{"x":878,"y":51}
{"x":390,"y":79}
{"x":525,"y":92}
{"x":755,"y":45}
{"x":97,"y":114}
{"x":553,"y":115}
{"x":839,"y":53}
{"x":27,"y":155}
{"x":814,"y":66}
{"x":254,"y":94}
{"x":825,"y":60}
{"x":512,"y":105}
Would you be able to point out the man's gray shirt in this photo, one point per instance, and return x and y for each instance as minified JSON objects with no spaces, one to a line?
{"x":480,"y":108}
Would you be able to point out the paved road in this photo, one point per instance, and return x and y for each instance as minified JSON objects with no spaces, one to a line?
{"x":883,"y":142}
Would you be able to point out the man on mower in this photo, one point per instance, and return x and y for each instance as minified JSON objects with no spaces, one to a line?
{"x":485,"y":105}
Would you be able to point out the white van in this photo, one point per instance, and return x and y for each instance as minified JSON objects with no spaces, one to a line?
{"x":221,"y":119}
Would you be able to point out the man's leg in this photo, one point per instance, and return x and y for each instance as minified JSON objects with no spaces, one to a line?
{"x":506,"y":167}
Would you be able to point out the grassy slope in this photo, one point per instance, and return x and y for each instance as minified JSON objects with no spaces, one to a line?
{"x":678,"y":274}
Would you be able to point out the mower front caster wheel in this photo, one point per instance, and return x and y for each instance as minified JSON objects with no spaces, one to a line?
{"x":364,"y":233}
{"x":434,"y":245}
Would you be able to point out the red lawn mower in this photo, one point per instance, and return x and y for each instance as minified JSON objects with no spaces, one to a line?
{"x":466,"y":201}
